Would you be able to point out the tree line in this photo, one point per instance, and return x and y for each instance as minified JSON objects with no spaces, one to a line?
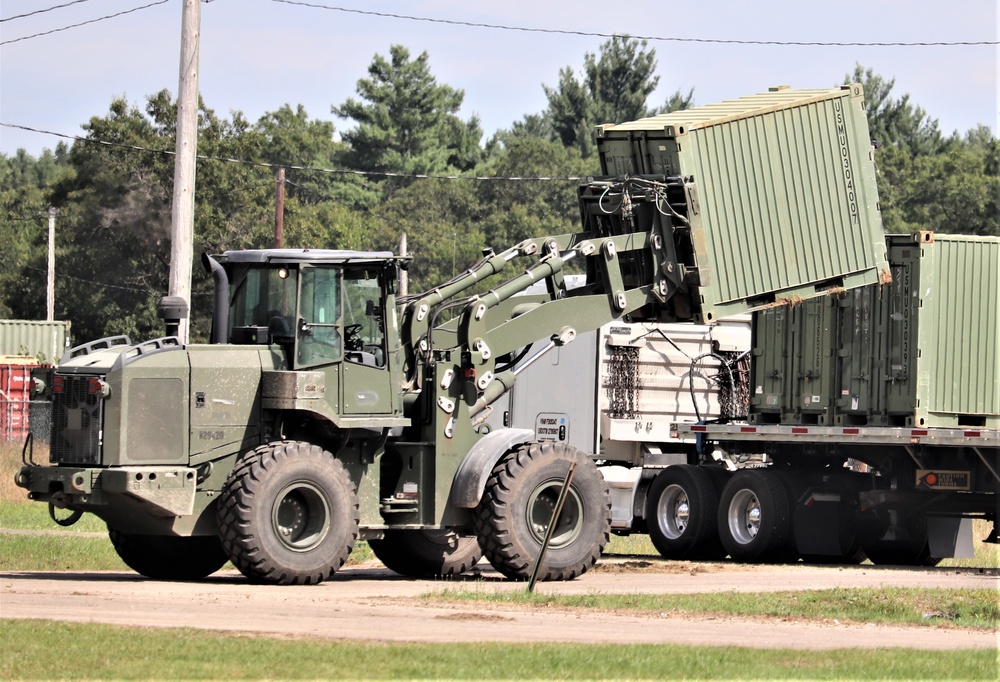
{"x":358,"y":190}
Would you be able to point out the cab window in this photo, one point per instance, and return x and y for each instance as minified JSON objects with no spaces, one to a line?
{"x":318,"y":334}
{"x":364,"y":328}
{"x":264,"y":297}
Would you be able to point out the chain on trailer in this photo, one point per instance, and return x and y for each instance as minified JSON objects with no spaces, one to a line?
{"x":623,"y":382}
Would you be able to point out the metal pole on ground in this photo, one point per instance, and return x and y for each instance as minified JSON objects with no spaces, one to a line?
{"x":552,"y":525}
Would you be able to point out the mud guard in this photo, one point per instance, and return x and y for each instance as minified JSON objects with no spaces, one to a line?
{"x":470,"y":479}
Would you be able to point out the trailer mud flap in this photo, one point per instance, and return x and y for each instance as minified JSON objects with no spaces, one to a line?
{"x":950,"y":537}
{"x":819,"y":526}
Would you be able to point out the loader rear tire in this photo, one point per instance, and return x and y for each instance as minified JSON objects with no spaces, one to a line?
{"x":167,"y":557}
{"x":426,"y":553}
{"x":517,"y":505}
{"x":288,"y":514}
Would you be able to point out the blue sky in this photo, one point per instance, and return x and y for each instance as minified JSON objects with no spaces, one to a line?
{"x":259,"y":54}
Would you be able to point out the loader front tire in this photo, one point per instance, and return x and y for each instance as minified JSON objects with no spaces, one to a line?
{"x":517,"y":505}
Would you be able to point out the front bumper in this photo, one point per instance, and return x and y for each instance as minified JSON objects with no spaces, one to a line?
{"x":169,"y":490}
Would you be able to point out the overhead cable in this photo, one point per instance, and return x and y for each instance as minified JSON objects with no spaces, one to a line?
{"x":674,"y":39}
{"x":84,"y":23}
{"x":42,"y":11}
{"x":338,"y":171}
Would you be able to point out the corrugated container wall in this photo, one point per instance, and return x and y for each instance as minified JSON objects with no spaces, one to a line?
{"x":15,"y":398}
{"x":43,"y":340}
{"x":944,"y":330}
{"x":785,"y":188}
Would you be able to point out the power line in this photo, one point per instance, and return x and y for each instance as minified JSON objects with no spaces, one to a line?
{"x":42,"y":11}
{"x":338,"y":171}
{"x":84,"y":23}
{"x":674,"y":39}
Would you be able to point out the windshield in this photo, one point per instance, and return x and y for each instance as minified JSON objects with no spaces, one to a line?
{"x":265,"y":297}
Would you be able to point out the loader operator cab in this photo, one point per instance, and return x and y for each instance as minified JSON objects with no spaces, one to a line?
{"x":320,"y":306}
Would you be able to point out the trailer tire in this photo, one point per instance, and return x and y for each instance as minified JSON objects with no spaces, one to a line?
{"x":900,"y":553}
{"x":682,"y":509}
{"x":426,"y":553}
{"x":755,"y":522}
{"x":168,"y":557}
{"x":911,"y":550}
{"x":852,"y":556}
{"x":517,"y":505}
{"x":288,"y":514}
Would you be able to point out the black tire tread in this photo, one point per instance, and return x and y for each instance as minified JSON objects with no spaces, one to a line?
{"x":165,"y":557}
{"x":701,"y":538}
{"x":235,"y":508}
{"x":774,"y":541}
{"x":409,"y":555}
{"x":495,"y":519}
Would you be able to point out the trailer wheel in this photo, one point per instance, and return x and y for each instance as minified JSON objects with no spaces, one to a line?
{"x":755,"y":522}
{"x":912,"y":549}
{"x":288,"y":514}
{"x":900,"y":553}
{"x":427,"y":553}
{"x":517,"y":505}
{"x":852,"y":556}
{"x":167,"y":557}
{"x":682,"y":514}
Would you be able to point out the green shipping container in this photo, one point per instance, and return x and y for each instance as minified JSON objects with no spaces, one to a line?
{"x":943,"y":331}
{"x":921,"y":351}
{"x":814,"y":343}
{"x":783,"y":190}
{"x":771,"y":390}
{"x":43,"y":340}
{"x":860,"y":357}
{"x":794,"y":363}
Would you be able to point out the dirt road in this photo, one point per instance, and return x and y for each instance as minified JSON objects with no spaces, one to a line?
{"x":370,"y":603}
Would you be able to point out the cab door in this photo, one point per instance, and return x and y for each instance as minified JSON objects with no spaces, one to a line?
{"x":367,"y":385}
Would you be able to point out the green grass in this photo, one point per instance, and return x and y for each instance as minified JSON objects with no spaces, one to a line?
{"x":28,"y":515}
{"x":109,"y":652}
{"x":975,"y":608}
{"x":57,"y":553}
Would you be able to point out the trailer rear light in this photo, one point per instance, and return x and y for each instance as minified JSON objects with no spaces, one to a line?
{"x":97,"y":387}
{"x":57,"y":385}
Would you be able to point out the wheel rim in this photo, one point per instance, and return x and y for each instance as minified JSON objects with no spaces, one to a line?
{"x":673,"y":511}
{"x":744,"y":517}
{"x":541,"y":504}
{"x":300,"y":516}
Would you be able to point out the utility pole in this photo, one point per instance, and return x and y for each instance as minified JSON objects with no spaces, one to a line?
{"x":404,"y":277}
{"x":182,"y":211}
{"x":279,"y":210}
{"x":50,"y":288}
